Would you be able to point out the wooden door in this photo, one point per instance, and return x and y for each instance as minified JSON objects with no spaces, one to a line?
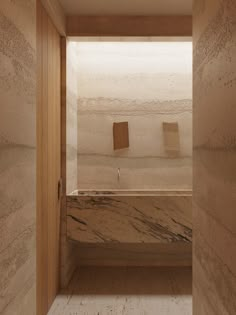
{"x":48,"y":160}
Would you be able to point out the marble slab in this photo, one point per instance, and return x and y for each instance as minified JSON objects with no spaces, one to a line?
{"x":129,"y":218}
{"x":131,"y":192}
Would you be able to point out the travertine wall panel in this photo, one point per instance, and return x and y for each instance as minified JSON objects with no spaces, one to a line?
{"x":214,"y":175}
{"x":17,"y":157}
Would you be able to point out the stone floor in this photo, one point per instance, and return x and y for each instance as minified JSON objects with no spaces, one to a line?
{"x":127,"y":291}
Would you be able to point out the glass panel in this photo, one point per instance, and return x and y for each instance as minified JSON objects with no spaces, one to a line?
{"x":147,"y":86}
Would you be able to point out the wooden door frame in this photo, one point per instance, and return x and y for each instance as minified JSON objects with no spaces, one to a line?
{"x":109,"y":26}
{"x":48,"y":48}
{"x":114,"y":26}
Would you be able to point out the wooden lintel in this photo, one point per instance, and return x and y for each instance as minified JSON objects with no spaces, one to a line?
{"x":57,"y":15}
{"x":129,"y":26}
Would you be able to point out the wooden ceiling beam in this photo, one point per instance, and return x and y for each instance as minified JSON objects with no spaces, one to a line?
{"x":129,"y":25}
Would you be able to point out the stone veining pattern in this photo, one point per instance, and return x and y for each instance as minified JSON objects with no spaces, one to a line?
{"x":129,"y":219}
{"x":17,"y":157}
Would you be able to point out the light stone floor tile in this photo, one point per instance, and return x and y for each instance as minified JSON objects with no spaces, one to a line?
{"x":127,"y":291}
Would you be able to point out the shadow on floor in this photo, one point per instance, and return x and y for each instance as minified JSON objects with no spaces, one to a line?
{"x":127,"y":291}
{"x":132,"y":281}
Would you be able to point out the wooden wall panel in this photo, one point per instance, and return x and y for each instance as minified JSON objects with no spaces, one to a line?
{"x":214,"y":158}
{"x":56,"y":13}
{"x":129,"y":26}
{"x":48,"y":160}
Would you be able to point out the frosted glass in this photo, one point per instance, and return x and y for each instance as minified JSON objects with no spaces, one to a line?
{"x":146,"y":84}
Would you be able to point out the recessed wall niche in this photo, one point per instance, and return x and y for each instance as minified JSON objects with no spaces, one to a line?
{"x":146,"y":82}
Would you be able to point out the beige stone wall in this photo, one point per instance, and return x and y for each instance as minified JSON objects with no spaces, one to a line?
{"x":147,"y":84}
{"x":214,"y":169}
{"x":71,"y":118}
{"x":17,"y":157}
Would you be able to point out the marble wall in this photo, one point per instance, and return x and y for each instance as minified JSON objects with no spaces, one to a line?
{"x":17,"y":157}
{"x":214,"y":171}
{"x":71,"y":117}
{"x":146,"y":84}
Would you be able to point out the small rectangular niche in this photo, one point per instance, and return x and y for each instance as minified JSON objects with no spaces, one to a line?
{"x":120,"y":135}
{"x":171,"y":138}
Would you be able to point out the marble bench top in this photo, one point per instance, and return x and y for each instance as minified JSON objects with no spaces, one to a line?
{"x":130,"y":192}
